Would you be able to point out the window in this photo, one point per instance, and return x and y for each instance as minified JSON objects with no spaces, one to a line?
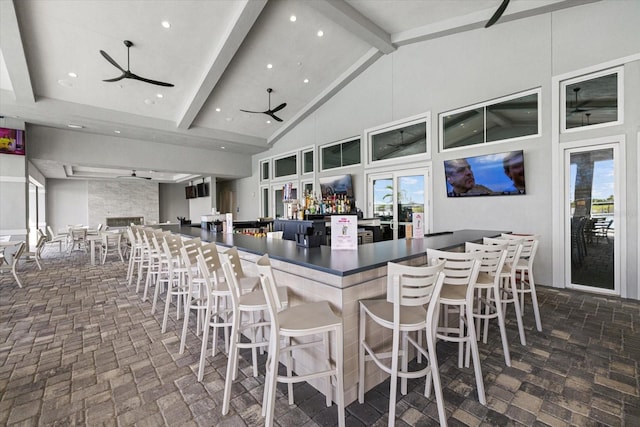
{"x":345,"y":153}
{"x":505,"y":119}
{"x":264,"y":192}
{"x":399,"y":140}
{"x":592,"y":101}
{"x":264,"y":170}
{"x":307,"y":161}
{"x":285,"y":166}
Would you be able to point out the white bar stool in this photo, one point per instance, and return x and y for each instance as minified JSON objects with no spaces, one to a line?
{"x":249,"y":304}
{"x":315,"y":318}
{"x":461,"y":272}
{"x":409,"y":289}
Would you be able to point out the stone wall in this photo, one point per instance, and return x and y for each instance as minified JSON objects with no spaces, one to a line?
{"x":123,"y":198}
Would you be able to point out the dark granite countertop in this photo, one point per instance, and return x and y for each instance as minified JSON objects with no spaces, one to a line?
{"x":340,"y":263}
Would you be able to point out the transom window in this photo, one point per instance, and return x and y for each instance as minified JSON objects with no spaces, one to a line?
{"x":512,"y":117}
{"x":592,"y":101}
{"x":340,"y":154}
{"x":285,"y":166}
{"x":399,"y":140}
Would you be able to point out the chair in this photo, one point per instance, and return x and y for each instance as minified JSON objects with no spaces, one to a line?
{"x":303,"y":320}
{"x":508,"y":279}
{"x":35,"y":255}
{"x":524,"y":271}
{"x":216,"y":292}
{"x":192,"y":284}
{"x":136,"y":254}
{"x":53,"y":238}
{"x":186,"y":272}
{"x":461,"y":272}
{"x":601,"y":230}
{"x":12,"y":256}
{"x":110,"y":241}
{"x":488,"y":282}
{"x":77,"y":238}
{"x":244,"y":305}
{"x":409,"y":289}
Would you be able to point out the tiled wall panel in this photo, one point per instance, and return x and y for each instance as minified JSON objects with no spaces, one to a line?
{"x":123,"y":198}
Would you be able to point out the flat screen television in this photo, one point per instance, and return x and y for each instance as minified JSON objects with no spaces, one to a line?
{"x":338,"y":185}
{"x":12,"y":141}
{"x":191,"y":192}
{"x":500,"y":174}
{"x":202,"y":189}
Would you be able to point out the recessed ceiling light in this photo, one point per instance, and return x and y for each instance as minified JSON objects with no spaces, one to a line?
{"x":292,"y":18}
{"x":223,"y":147}
{"x":166,"y":24}
{"x":306,"y":80}
{"x":116,"y":131}
{"x":320,"y":33}
{"x":159,"y":95}
{"x":72,"y":74}
{"x":149,"y":101}
{"x":74,"y":126}
{"x":218,"y":110}
{"x":269,"y":66}
{"x":268,"y":122}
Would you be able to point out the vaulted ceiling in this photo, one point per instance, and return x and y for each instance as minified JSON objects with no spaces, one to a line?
{"x":221,"y":56}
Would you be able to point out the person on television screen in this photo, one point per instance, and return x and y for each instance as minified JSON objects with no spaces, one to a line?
{"x":513,"y":164}
{"x":460,"y":177}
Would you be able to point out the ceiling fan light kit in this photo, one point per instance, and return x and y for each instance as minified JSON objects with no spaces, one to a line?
{"x":127,"y":74}
{"x":270,"y":112}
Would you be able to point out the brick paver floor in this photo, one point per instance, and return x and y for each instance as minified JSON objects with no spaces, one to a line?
{"x":79,"y":347}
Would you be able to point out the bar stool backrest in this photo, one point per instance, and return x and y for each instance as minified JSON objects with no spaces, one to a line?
{"x":209,"y":252}
{"x":411,"y":285}
{"x":493,"y":256}
{"x":459,"y":266}
{"x":269,"y":283}
{"x":235,"y":263}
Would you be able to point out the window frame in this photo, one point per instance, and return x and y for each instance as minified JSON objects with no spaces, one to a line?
{"x":399,"y":124}
{"x":266,"y":162}
{"x":284,"y":156}
{"x":585,"y":77}
{"x":321,"y":149}
{"x":483,"y":105}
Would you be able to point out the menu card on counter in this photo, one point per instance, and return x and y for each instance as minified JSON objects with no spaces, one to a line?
{"x":418,"y":225}
{"x":344,"y":232}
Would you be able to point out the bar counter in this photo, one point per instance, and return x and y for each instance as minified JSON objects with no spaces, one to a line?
{"x":340,"y":277}
{"x":366,"y":257}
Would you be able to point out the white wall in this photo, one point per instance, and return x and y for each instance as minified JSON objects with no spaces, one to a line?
{"x":67,"y":203}
{"x":463,"y":69}
{"x":173,"y":202}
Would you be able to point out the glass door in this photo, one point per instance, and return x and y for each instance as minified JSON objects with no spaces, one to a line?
{"x":394,"y":197}
{"x":591,"y":176}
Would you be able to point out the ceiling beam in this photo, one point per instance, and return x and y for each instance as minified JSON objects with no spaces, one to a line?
{"x":13,"y":52}
{"x":477,"y":20}
{"x":356,"y":23}
{"x":235,"y":33}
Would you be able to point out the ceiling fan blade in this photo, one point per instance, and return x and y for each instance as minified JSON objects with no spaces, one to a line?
{"x":497,"y":14}
{"x":279,"y":107}
{"x":257,"y":112}
{"x":111,"y":60}
{"x":153,"y":82}
{"x":116,"y":79}
{"x":276,"y":118}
